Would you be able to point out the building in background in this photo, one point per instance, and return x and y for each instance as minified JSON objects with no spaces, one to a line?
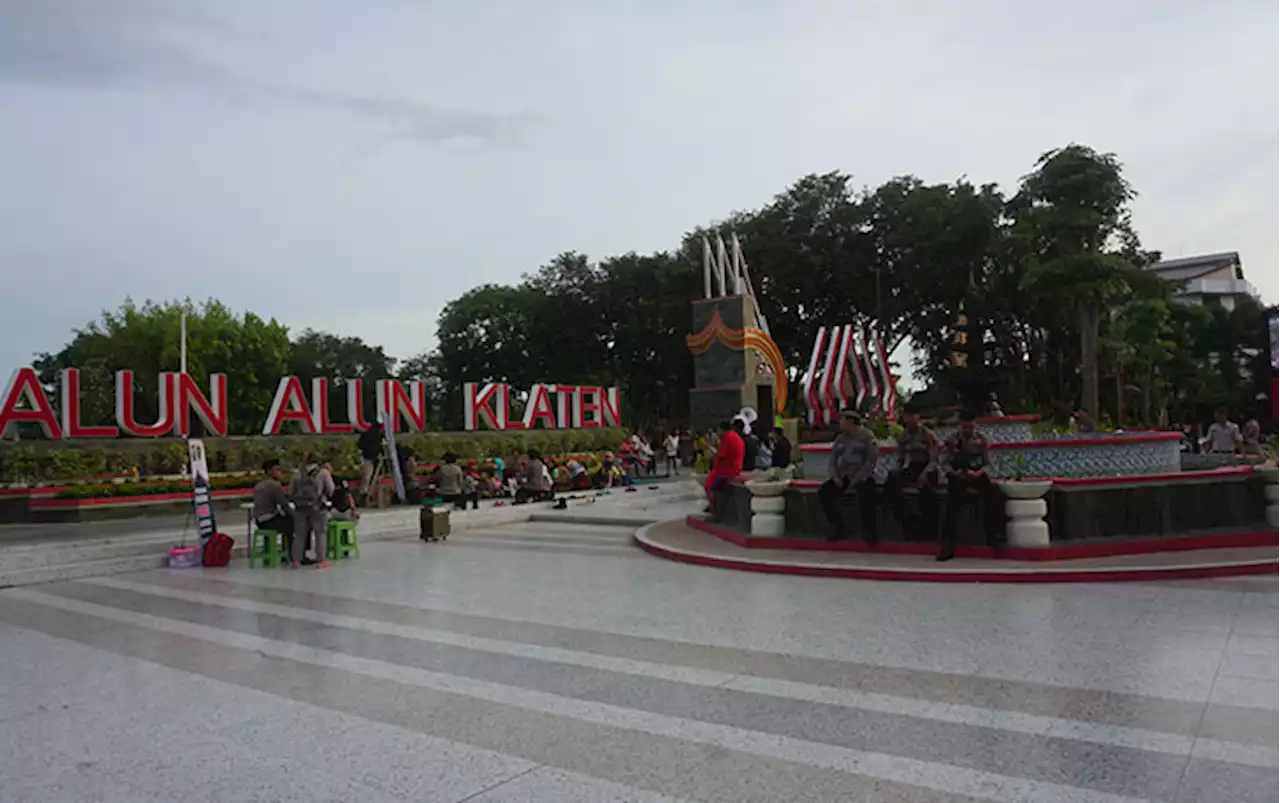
{"x":1207,"y":279}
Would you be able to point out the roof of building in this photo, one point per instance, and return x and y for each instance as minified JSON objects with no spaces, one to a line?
{"x":1185,"y":269}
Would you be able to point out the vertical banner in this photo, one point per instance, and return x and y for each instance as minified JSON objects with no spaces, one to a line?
{"x":200,"y":487}
{"x":392,"y":457}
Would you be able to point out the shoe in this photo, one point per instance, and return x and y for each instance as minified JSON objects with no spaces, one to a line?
{"x":308,"y":561}
{"x":944,"y":555}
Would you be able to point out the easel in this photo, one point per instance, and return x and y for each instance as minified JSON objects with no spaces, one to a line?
{"x":373,"y":495}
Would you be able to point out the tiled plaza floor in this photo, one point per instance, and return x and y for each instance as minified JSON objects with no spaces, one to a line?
{"x":559,"y":663}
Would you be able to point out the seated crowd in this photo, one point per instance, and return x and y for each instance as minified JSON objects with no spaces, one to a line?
{"x":962,"y":465}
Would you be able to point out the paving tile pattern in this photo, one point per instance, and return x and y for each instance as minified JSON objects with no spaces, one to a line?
{"x":554,"y":661}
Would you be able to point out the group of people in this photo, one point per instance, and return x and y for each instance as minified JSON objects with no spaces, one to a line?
{"x":921,"y":461}
{"x":1226,"y":437}
{"x":301,"y":511}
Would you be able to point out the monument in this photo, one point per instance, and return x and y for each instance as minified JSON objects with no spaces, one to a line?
{"x":736,"y":363}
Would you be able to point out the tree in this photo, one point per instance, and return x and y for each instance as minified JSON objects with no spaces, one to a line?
{"x":252,"y":352}
{"x":1072,"y":213}
{"x":320,"y":355}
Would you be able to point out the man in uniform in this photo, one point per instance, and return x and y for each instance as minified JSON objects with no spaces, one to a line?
{"x":917,"y":466}
{"x":853,"y":462}
{"x":970,"y":469}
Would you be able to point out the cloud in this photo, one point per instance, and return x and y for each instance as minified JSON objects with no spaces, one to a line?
{"x":149,"y":46}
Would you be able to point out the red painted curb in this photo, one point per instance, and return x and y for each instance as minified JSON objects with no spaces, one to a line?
{"x":1066,"y":551}
{"x":1119,"y":440}
{"x":97,"y":501}
{"x":977,"y":576}
{"x":1123,"y":479}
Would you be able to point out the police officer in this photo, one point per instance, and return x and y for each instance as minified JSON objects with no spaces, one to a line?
{"x":970,"y":469}
{"x":853,"y":462}
{"x":917,"y":466}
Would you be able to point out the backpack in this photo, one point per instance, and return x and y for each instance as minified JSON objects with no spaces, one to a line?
{"x":217,"y":550}
{"x":307,"y":493}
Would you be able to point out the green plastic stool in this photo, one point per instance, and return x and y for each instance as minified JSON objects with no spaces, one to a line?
{"x":340,"y":540}
{"x":264,"y":545}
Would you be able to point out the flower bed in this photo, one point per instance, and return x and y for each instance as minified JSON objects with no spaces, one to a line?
{"x":180,"y":488}
{"x":37,"y":463}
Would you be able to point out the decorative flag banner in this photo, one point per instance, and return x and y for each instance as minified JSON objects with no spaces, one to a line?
{"x":201,"y":501}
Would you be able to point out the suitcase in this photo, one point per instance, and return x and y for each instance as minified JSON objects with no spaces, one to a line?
{"x":433,"y":523}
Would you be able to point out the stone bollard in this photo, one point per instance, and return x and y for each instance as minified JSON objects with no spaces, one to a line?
{"x":1026,"y":509}
{"x":1271,"y":491}
{"x":768,"y":506}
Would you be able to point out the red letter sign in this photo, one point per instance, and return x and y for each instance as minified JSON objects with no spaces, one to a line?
{"x":125,"y":407}
{"x":71,"y":426}
{"x":539,"y":408}
{"x":477,"y":405}
{"x":289,"y":405}
{"x":212,"y":414}
{"x":24,"y":385}
{"x":320,"y":407}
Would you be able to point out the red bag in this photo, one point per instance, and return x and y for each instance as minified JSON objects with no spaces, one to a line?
{"x":217,"y":550}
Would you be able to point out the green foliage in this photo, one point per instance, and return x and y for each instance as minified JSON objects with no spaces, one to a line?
{"x":27,"y":464}
{"x":1050,"y":282}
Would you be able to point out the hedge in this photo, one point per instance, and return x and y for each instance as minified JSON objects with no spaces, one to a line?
{"x":103,"y":490}
{"x":47,"y":463}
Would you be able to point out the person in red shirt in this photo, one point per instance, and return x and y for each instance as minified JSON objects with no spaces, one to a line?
{"x":727,"y":464}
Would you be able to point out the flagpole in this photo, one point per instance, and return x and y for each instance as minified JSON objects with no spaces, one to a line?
{"x":182,"y":348}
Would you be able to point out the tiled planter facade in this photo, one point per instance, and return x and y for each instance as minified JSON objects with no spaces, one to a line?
{"x":1197,"y":505}
{"x":1107,"y":455}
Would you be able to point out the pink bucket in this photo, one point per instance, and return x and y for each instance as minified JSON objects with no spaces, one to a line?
{"x":185,"y":557}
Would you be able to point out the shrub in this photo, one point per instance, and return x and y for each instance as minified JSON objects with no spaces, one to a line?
{"x":42,"y":462}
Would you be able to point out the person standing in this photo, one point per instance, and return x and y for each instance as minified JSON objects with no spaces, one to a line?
{"x":1224,"y":435}
{"x":671,"y":446}
{"x":1251,"y":436}
{"x":370,"y":445}
{"x":970,"y":470}
{"x":271,"y":509}
{"x":686,"y":448}
{"x":310,"y":487}
{"x":917,"y":467}
{"x":853,"y":463}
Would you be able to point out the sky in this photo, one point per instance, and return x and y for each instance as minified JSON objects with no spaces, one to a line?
{"x":352,"y":165}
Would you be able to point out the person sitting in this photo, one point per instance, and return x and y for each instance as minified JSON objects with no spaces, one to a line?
{"x":917,"y":467}
{"x":408,"y":463}
{"x":535,"y":480}
{"x":727,"y":464}
{"x":854,"y":454}
{"x":271,"y":508}
{"x":449,"y":483}
{"x":342,"y":505}
{"x":490,"y":486}
{"x":781,"y":448}
{"x":578,"y":479}
{"x":750,"y":444}
{"x":764,"y":454}
{"x":470,"y":491}
{"x":970,"y":470}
